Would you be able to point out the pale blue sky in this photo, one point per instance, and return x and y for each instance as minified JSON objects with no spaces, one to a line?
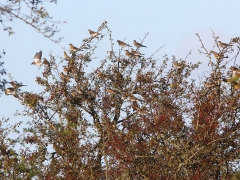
{"x":173,"y":23}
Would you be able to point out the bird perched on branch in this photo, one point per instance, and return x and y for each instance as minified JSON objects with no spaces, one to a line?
{"x":93,"y":33}
{"x":45,"y":62}
{"x":223,"y":45}
{"x":209,"y":84}
{"x":123,"y":44}
{"x":16,"y":85}
{"x":217,"y":55}
{"x":10,"y":91}
{"x":138,"y":45}
{"x":66,"y":56}
{"x":128,"y":54}
{"x":73,"y":48}
{"x":177,"y":64}
{"x":37,"y":59}
{"x":136,"y":53}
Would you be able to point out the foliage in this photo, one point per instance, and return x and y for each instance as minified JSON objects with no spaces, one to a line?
{"x":32,"y":13}
{"x":130,"y":118}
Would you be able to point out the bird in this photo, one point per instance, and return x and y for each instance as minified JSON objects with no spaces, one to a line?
{"x":223,"y":45}
{"x":216,"y":55}
{"x":93,"y":33}
{"x":177,"y":64}
{"x":16,"y":85}
{"x":37,"y":59}
{"x":73,"y":48}
{"x":136,"y":53}
{"x":128,"y":54}
{"x":138,"y":45}
{"x":10,"y":91}
{"x":45,"y":62}
{"x":66,"y":56}
{"x":208,"y":84}
{"x":123,"y":44}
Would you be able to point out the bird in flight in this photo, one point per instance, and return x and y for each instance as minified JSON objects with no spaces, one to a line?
{"x":37,"y":59}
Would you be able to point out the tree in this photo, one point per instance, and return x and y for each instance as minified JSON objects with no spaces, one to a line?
{"x":129,"y":118}
{"x":33,"y":14}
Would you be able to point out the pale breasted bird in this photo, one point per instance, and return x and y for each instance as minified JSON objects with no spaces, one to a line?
{"x":136,"y":53}
{"x":223,"y":45}
{"x":216,"y":55}
{"x":16,"y":85}
{"x":45,"y":62}
{"x":123,"y":44}
{"x":128,"y":54}
{"x":73,"y":48}
{"x":177,"y":64}
{"x":138,"y":45}
{"x":37,"y":59}
{"x":208,"y":84}
{"x":10,"y":91}
{"x":93,"y":33}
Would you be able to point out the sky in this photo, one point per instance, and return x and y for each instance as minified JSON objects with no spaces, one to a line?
{"x":171,"y":23}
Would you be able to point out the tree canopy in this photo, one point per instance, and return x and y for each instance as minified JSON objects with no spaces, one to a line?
{"x":132,"y":117}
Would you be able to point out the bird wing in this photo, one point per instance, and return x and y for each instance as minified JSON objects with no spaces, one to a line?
{"x":38,"y":56}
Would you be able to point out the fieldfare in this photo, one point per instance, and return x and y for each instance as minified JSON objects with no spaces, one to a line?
{"x":66,"y":56}
{"x":223,"y":45}
{"x":16,"y":85}
{"x":177,"y":64}
{"x":93,"y":33}
{"x":45,"y":62}
{"x":128,"y":54}
{"x":138,"y":45}
{"x":73,"y":48}
{"x":10,"y":91}
{"x":123,"y":44}
{"x":136,"y":53}
{"x":37,"y":59}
